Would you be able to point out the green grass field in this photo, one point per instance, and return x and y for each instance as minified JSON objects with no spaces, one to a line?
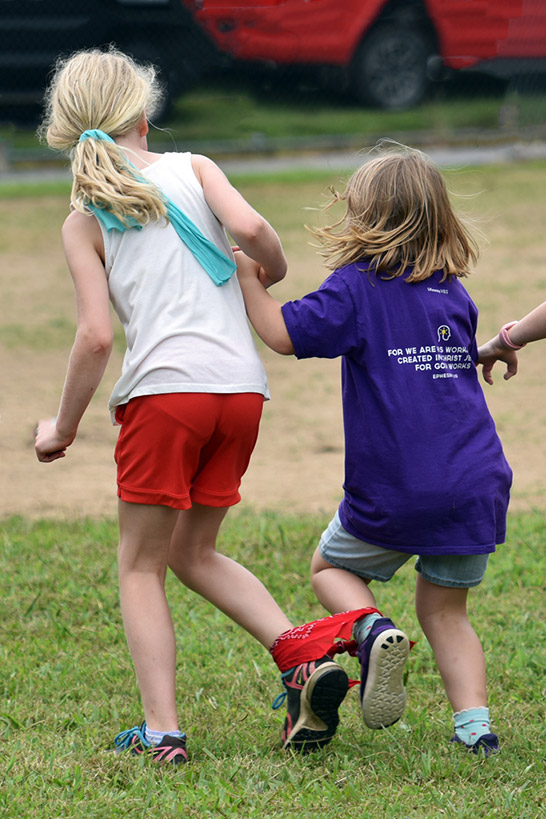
{"x":68,"y":688}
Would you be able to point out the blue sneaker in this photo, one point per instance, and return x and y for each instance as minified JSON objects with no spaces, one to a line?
{"x":169,"y":749}
{"x":488,"y":744}
{"x":382,"y":656}
{"x":313,"y":691}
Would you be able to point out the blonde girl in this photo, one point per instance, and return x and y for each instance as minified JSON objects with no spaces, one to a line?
{"x":147,"y":232}
{"x":425,"y":473}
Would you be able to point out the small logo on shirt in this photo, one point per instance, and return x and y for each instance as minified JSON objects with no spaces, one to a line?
{"x":444,"y":332}
{"x":442,"y":290}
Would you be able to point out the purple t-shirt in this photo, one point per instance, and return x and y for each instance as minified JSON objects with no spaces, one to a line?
{"x":424,"y":467}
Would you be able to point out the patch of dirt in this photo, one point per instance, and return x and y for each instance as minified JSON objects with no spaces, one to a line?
{"x":297,"y":466}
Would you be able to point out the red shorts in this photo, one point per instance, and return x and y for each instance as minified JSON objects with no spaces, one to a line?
{"x":176,"y":449}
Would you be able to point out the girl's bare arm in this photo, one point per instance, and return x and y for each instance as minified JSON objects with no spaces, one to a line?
{"x":531,"y":327}
{"x":250,"y":231}
{"x":82,"y":242}
{"x":264,"y":312}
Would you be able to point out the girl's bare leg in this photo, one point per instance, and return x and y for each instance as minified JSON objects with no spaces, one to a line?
{"x":145,"y":535}
{"x":456,"y":646}
{"x":225,"y":583}
{"x":338,"y":590}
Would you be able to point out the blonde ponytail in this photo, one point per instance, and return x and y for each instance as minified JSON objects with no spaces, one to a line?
{"x":107,"y":91}
{"x":103,"y":177}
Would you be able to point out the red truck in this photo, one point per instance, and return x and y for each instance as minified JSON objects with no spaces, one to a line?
{"x":384,"y":51}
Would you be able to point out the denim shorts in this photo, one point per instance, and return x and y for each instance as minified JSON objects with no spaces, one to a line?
{"x":344,"y":551}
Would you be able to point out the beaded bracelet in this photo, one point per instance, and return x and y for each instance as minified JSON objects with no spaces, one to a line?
{"x":505,"y":340}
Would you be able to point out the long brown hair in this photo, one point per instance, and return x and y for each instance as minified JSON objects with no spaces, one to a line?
{"x":399,"y":215}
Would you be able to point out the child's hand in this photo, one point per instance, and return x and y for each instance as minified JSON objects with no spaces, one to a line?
{"x":247,"y":268}
{"x":493,"y":351}
{"x":48,"y":444}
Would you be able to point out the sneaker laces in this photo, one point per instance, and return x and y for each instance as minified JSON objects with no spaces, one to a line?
{"x":124,"y":740}
{"x":278,"y":701}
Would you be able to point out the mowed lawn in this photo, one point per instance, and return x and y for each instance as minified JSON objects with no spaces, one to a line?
{"x":67,"y":683}
{"x":67,"y":688}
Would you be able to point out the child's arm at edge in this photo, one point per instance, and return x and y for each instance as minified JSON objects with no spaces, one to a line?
{"x":512,"y":337}
{"x":94,"y":336}
{"x":264,"y":312}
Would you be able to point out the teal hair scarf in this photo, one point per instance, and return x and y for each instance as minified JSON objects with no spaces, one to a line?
{"x":219,"y":267}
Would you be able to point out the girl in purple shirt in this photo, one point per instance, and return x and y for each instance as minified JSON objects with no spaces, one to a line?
{"x":425,"y":472}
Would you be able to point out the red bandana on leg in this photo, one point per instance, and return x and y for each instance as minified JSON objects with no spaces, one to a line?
{"x":313,"y":640}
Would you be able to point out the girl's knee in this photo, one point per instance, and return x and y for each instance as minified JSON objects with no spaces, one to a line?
{"x":434,"y":603}
{"x":194,"y":560}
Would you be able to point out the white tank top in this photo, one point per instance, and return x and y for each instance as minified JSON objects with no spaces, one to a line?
{"x":183,"y":332}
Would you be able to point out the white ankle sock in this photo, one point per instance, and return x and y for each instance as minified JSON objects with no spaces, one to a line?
{"x":155,"y":737}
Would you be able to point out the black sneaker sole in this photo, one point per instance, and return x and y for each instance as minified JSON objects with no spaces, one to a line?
{"x":321,"y":697}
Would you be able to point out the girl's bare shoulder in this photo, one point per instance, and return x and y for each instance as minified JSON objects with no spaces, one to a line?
{"x":81,"y":223}
{"x":82,"y":229}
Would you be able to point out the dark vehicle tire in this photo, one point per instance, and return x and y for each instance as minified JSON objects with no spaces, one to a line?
{"x":389,"y":69}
